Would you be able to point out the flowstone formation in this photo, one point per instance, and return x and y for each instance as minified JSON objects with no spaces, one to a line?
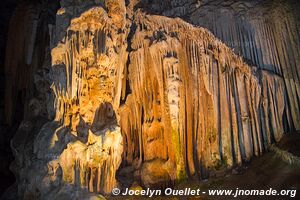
{"x":140,"y":99}
{"x":264,"y":33}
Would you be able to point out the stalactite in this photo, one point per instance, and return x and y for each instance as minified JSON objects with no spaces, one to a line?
{"x":162,"y":98}
{"x":229,"y":83}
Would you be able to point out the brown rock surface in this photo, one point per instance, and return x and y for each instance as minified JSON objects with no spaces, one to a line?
{"x":153,"y":96}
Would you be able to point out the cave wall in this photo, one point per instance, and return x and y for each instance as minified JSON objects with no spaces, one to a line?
{"x":22,"y":55}
{"x":27,"y":50}
{"x":116,"y":95}
{"x":264,"y":33}
{"x":268,"y":36}
{"x":201,"y":108}
{"x":6,"y":10}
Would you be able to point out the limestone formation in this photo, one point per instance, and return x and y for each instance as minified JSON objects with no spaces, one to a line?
{"x":264,"y":33}
{"x":125,"y":93}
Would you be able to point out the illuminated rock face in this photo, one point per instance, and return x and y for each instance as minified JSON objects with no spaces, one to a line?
{"x":142,"y":96}
{"x":200,"y":105}
{"x":264,"y":33}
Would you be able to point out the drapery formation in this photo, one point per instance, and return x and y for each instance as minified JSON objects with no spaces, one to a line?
{"x":149,"y":97}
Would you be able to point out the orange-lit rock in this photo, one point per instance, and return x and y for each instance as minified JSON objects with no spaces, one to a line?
{"x":143,"y":96}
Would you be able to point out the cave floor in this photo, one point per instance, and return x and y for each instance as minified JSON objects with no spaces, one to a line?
{"x":264,"y":172}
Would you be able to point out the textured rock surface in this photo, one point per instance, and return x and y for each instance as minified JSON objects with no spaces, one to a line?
{"x":140,"y":98}
{"x":6,"y":157}
{"x":264,"y":33}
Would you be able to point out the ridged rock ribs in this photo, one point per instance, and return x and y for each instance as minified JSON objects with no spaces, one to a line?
{"x":153,"y":97}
